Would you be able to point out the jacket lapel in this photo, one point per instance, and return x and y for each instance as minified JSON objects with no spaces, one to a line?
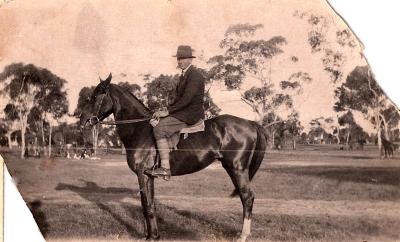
{"x":182,"y":82}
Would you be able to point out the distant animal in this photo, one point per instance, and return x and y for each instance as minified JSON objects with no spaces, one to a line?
{"x":239,"y":145}
{"x":388,"y":148}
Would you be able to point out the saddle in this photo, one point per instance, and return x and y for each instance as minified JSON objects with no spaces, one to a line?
{"x":174,"y":139}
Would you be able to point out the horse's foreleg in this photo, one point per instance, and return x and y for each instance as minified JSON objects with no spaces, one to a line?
{"x":148,"y":205}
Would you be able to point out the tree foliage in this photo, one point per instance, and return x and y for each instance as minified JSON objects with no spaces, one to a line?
{"x":246,"y":57}
{"x":160,"y":91}
{"x":331,"y":44}
{"x":30,"y":88}
{"x":362,"y":93}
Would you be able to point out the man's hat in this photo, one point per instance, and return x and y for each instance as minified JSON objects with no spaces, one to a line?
{"x":184,"y":51}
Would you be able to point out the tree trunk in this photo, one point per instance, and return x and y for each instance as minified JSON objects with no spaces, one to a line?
{"x":9,"y":139}
{"x":43,"y":138}
{"x":379,"y":133}
{"x":273,"y":138}
{"x":294,"y":142}
{"x":337,"y":139}
{"x":95,"y":135}
{"x":24,"y":122}
{"x":338,"y":135}
{"x":348,"y":138}
{"x":338,"y":131}
{"x":385,"y":128}
{"x":50,"y":131}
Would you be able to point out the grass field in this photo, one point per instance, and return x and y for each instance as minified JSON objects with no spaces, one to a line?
{"x":317,"y":193}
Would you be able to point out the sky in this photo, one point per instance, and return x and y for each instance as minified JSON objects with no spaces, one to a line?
{"x":81,"y":41}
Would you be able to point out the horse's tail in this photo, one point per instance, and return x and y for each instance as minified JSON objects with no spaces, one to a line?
{"x":258,"y":155}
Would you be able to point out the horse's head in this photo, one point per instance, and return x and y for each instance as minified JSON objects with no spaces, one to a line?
{"x":100,"y":104}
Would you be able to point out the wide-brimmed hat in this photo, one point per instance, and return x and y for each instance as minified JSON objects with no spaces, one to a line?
{"x":184,"y":51}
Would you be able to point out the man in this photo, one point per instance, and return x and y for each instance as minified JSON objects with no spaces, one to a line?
{"x":187,"y":108}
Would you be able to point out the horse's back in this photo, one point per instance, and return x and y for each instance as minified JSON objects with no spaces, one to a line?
{"x":226,"y":123}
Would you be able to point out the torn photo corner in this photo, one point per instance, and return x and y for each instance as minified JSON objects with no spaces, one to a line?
{"x":296,"y":117}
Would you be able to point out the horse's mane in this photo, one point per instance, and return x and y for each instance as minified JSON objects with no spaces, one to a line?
{"x":133,"y":96}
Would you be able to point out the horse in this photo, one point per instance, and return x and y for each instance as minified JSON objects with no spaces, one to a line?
{"x":388,"y":147}
{"x":239,"y":145}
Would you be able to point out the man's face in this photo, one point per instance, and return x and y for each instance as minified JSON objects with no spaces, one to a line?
{"x":183,"y":63}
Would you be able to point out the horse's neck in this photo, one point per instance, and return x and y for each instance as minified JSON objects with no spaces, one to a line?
{"x":125,"y":106}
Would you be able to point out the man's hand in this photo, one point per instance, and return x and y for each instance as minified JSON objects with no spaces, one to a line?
{"x":160,"y":114}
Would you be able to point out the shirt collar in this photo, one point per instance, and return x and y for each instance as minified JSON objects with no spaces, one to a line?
{"x":185,"y":70}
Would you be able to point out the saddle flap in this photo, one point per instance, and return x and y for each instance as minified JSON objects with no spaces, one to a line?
{"x":174,"y":139}
{"x":197,"y":127}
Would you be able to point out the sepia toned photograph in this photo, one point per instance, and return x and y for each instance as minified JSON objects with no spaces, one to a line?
{"x":196,"y":121}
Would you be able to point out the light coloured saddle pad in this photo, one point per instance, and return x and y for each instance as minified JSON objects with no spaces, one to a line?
{"x":197,"y":127}
{"x":174,"y":139}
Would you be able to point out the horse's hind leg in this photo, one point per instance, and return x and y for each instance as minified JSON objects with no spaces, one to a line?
{"x":242,"y":184}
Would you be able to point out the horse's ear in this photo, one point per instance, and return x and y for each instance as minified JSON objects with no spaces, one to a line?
{"x":100,"y":79}
{"x":108,"y":80}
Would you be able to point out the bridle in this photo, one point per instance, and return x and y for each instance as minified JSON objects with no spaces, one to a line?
{"x":96,"y":120}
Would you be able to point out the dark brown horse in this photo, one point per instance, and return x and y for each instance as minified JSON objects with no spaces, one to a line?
{"x":237,"y":143}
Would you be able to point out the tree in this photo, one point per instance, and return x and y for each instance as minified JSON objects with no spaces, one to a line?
{"x":247,"y":58}
{"x":9,"y":124}
{"x":27,"y":87}
{"x":347,"y":121}
{"x":53,"y":101}
{"x":160,"y":91}
{"x":324,"y":127}
{"x":294,"y":127}
{"x":362,"y":93}
{"x":331,"y":44}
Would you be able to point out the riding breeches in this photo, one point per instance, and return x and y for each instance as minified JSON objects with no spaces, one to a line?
{"x":167,"y":127}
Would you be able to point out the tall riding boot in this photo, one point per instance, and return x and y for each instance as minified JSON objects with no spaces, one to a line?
{"x":164,"y":170}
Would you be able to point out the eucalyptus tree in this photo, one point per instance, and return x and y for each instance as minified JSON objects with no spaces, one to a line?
{"x":27,"y":88}
{"x":362,"y":93}
{"x":247,"y":57}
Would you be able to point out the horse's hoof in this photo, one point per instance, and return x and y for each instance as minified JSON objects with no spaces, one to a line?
{"x":242,"y":238}
{"x":152,"y":238}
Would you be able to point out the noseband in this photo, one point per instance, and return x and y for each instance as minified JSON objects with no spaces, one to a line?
{"x":95,"y":119}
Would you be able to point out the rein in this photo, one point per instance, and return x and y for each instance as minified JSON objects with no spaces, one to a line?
{"x":128,"y":121}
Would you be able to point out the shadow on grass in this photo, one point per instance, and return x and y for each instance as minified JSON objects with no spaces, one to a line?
{"x":282,"y":227}
{"x":354,"y":157}
{"x":222,"y":229}
{"x":371,"y":175}
{"x":99,"y":196}
{"x":127,"y":215}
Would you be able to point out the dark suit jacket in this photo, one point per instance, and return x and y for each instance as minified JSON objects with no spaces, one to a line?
{"x":189,"y":101}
